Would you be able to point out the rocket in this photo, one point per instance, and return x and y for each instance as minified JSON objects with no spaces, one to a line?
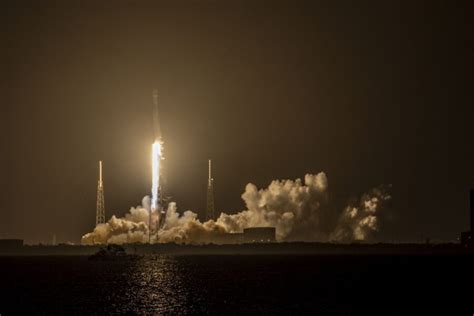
{"x":156,"y":121}
{"x":157,"y":198}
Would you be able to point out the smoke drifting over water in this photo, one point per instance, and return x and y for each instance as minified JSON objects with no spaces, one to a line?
{"x":300,"y":211}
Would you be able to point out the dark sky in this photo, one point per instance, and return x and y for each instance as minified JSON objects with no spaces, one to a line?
{"x":370,"y":92}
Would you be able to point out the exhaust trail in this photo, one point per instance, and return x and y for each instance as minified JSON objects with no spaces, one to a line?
{"x":155,"y":160}
{"x":156,"y":206}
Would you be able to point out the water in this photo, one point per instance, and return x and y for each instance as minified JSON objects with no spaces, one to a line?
{"x":217,"y":285}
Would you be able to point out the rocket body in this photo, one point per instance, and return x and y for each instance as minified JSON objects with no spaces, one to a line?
{"x":157,"y":201}
{"x":156,"y":154}
{"x":156,"y":121}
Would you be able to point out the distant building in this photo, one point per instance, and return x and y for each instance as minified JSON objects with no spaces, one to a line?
{"x":230,"y":238}
{"x":10,"y":244}
{"x":467,"y":239}
{"x":259,"y":234}
{"x":249,"y":235}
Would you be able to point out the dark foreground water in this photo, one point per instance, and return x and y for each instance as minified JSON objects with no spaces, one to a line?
{"x":334,"y":285}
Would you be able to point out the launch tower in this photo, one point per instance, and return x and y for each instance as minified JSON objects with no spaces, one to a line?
{"x":100,"y":207}
{"x":210,"y":196}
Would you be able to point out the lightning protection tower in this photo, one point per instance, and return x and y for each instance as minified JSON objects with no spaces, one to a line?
{"x":100,"y":207}
{"x":210,"y":196}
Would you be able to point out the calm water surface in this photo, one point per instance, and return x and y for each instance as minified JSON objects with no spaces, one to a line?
{"x":329,"y":285}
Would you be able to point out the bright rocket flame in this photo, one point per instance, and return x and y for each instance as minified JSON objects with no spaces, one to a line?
{"x":155,"y":160}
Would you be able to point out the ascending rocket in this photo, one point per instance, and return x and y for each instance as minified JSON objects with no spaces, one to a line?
{"x":157,"y":201}
{"x":156,"y":121}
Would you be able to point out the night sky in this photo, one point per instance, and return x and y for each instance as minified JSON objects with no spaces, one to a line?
{"x":370,"y":92}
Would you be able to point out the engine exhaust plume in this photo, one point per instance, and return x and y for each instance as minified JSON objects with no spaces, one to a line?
{"x":155,"y":160}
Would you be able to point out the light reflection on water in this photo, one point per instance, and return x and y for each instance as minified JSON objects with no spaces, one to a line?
{"x":150,"y":285}
{"x":159,"y":285}
{"x":231,"y":284}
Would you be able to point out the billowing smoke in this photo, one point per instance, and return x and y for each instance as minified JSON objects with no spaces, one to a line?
{"x":130,"y":229}
{"x":299,"y":210}
{"x":360,"y":219}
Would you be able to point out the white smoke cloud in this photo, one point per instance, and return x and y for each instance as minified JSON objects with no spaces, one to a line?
{"x":298,"y":210}
{"x":360,"y":221}
{"x":132,"y":228}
